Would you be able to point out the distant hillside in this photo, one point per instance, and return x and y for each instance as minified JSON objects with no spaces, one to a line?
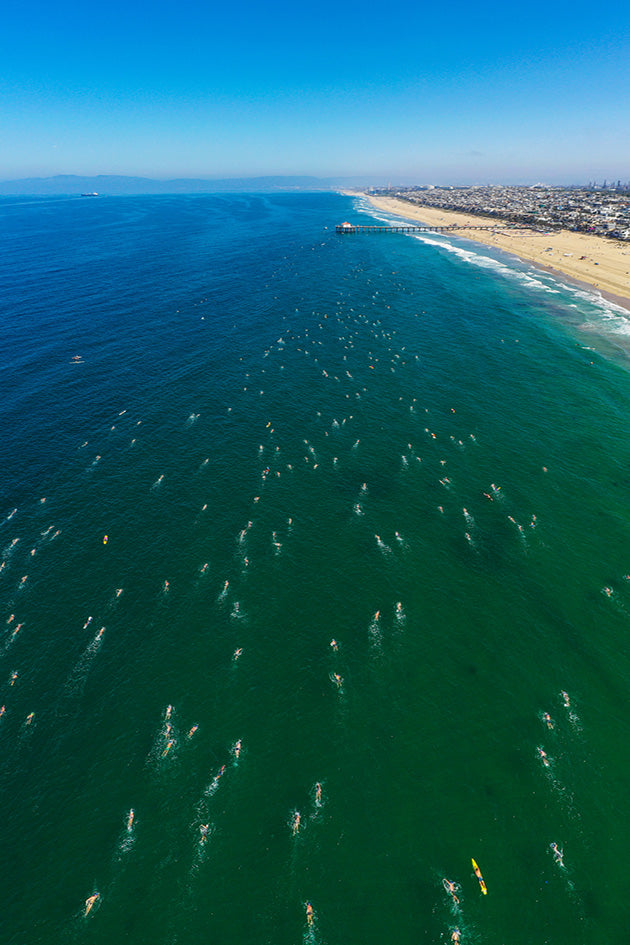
{"x":115,"y":185}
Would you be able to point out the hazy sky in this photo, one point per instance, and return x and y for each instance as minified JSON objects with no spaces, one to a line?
{"x":426,"y":92}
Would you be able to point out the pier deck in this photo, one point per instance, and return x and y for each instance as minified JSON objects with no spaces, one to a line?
{"x":405,"y":228}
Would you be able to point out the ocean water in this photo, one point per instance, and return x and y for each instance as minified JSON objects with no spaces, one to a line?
{"x":363,"y":609}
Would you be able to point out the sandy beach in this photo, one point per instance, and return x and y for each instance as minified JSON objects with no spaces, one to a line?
{"x":589,"y":260}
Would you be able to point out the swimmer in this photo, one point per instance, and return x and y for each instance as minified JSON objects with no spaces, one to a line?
{"x":211,"y":788}
{"x":565,"y":699}
{"x":203,"y":831}
{"x":334,"y":645}
{"x":105,"y":539}
{"x":90,"y":902}
{"x":192,"y":731}
{"x":169,"y":745}
{"x":87,"y":623}
{"x":547,"y":720}
{"x":130,"y":820}
{"x":338,"y":680}
{"x":166,"y":586}
{"x":236,"y":750}
{"x":238,"y":652}
{"x":14,"y":677}
{"x":557,"y":854}
{"x":318,"y":793}
{"x":295,"y":824}
{"x":169,"y":712}
{"x":450,"y":889}
{"x":29,"y":718}
{"x":3,"y":709}
{"x":543,"y":756}
{"x":309,"y":913}
{"x":455,"y":936}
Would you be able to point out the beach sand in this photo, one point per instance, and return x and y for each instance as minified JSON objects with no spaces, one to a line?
{"x":591,"y":261}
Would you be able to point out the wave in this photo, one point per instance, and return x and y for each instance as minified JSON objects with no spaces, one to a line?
{"x":616,"y":317}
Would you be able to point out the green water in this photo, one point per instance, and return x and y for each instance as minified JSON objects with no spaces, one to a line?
{"x":378,"y":442}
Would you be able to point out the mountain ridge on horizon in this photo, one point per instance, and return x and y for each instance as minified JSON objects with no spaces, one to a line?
{"x":120,"y":184}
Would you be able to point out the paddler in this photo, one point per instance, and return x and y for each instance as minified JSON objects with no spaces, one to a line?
{"x":90,"y":901}
{"x":480,"y":878}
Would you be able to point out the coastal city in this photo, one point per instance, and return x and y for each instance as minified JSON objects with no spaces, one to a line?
{"x":601,"y":210}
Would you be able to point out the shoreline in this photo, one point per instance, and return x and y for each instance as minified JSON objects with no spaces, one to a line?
{"x":573,"y":256}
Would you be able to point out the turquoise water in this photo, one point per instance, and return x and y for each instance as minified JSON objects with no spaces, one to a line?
{"x":413,"y":447}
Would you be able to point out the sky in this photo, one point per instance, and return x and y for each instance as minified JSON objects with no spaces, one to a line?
{"x":440,"y":92}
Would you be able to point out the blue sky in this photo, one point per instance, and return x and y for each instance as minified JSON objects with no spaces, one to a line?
{"x":426,"y":93}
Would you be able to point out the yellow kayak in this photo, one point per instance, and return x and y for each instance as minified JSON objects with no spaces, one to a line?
{"x":480,"y":878}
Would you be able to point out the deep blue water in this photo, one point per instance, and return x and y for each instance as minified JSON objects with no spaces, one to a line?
{"x":416,"y":448}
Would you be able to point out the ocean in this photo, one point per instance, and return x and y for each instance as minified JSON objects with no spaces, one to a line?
{"x":315,"y":582}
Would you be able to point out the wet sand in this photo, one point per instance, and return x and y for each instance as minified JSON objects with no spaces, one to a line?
{"x":591,"y":261}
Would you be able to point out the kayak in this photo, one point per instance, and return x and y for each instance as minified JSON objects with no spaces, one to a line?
{"x":480,"y":878}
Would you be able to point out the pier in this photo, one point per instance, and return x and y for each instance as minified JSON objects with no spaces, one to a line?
{"x":405,"y":228}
